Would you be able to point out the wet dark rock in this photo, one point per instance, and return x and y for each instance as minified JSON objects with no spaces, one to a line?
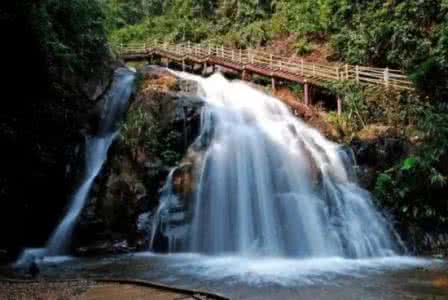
{"x":162,"y":123}
{"x":34,"y":269}
{"x":3,"y":255}
{"x":377,"y":151}
{"x":105,"y":248}
{"x":426,"y":241}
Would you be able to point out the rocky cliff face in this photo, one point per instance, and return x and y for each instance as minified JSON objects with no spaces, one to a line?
{"x":42,"y":135}
{"x":161,"y":124}
{"x":45,"y":110}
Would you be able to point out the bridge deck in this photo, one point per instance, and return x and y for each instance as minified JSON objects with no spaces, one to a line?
{"x":267,"y":64}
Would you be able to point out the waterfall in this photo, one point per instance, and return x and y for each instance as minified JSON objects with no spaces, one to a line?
{"x":96,"y":148}
{"x":269,"y":185}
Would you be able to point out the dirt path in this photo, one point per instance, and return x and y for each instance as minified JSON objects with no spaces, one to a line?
{"x":86,"y":290}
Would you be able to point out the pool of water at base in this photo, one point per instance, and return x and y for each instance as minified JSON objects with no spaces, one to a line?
{"x":265,"y":278}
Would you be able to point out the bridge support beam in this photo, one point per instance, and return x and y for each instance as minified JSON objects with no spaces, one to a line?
{"x":185,"y":132}
{"x":339,"y":101}
{"x":183,"y":65}
{"x":273,"y":84}
{"x":204,"y":69}
{"x":306,"y":94}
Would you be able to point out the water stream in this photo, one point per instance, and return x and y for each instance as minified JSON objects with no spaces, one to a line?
{"x":96,"y":148}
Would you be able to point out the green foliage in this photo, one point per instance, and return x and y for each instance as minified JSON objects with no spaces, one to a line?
{"x":302,"y":47}
{"x":409,"y":163}
{"x":162,"y":28}
{"x":355,"y":108}
{"x":415,"y":187}
{"x":255,"y":34}
{"x":143,"y":130}
{"x":240,"y":23}
{"x":408,"y":35}
{"x":310,"y":18}
{"x":72,"y":35}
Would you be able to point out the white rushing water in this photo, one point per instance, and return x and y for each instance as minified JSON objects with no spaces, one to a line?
{"x":280,"y":271}
{"x":96,"y":148}
{"x":269,"y":185}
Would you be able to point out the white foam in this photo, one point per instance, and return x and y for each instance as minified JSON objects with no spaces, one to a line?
{"x":283,"y":271}
{"x":40,"y":256}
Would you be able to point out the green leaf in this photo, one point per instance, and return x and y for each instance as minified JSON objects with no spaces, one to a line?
{"x":409,"y":163}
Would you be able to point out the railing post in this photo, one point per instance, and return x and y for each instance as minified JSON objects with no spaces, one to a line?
{"x":222,"y":51}
{"x":241,"y":56}
{"x":272,"y":61}
{"x":209,"y":49}
{"x":188,"y":46}
{"x":386,"y":77}
{"x":337,"y":73}
{"x":339,"y":100}
{"x":233,"y":55}
{"x":346,"y":72}
{"x":314,"y":70}
{"x":357,"y":73}
{"x":306,"y":93}
{"x":302,"y":68}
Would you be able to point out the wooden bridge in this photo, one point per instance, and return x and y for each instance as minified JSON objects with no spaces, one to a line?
{"x":253,"y":61}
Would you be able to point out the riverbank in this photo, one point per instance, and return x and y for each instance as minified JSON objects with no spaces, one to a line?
{"x":89,"y":290}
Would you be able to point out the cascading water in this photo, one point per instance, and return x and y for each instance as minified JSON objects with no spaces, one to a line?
{"x":270,"y":185}
{"x":96,"y":148}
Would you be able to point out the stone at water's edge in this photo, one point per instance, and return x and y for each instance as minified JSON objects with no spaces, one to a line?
{"x":161,"y":123}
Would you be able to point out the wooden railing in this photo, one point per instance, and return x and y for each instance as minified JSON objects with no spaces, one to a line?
{"x":314,"y":72}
